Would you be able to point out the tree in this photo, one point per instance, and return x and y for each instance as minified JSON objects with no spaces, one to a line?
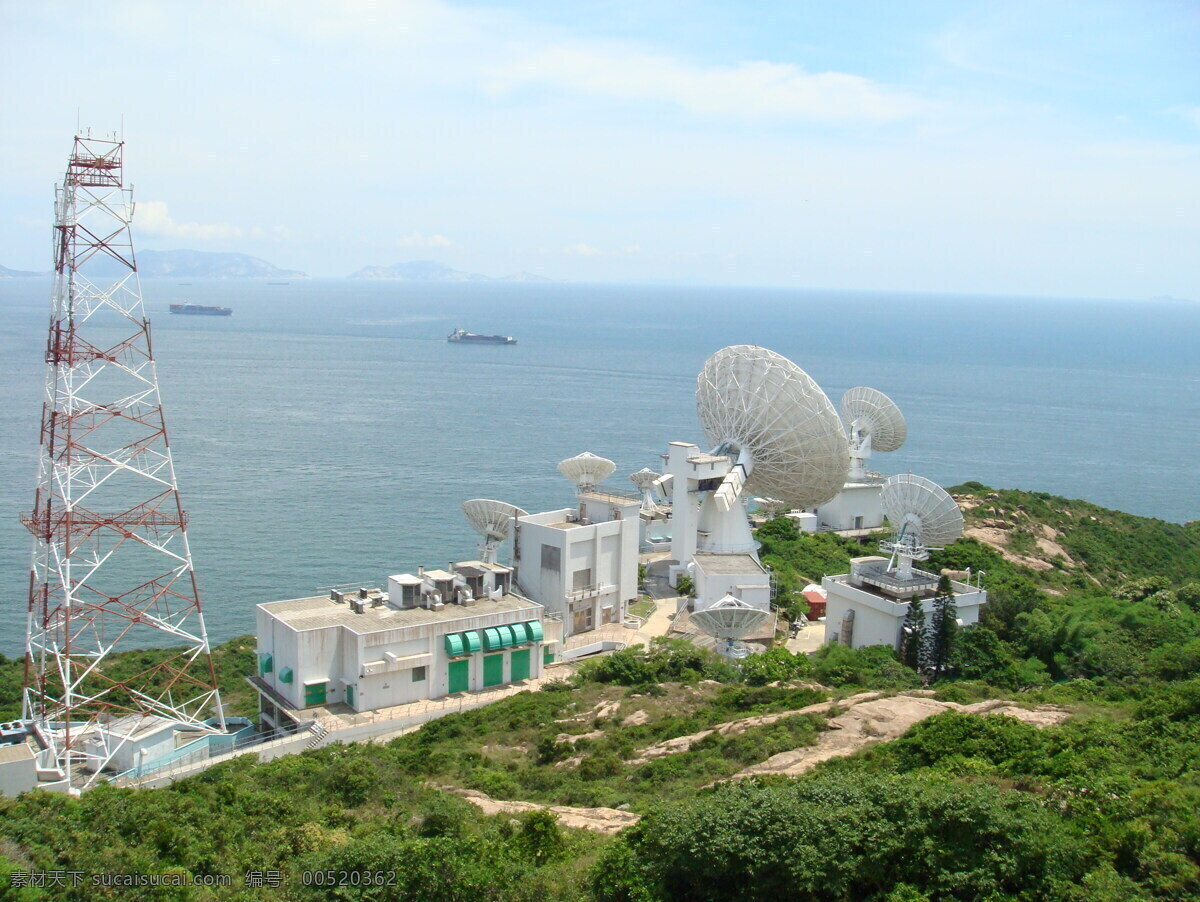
{"x":914,"y":635}
{"x":944,"y":627}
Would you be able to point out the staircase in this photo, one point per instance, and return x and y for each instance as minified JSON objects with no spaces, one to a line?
{"x":318,"y":734}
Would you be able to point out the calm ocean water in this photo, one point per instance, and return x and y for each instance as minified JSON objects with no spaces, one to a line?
{"x":327,"y":433}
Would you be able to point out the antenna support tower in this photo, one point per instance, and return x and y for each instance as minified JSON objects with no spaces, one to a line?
{"x":111,"y":566}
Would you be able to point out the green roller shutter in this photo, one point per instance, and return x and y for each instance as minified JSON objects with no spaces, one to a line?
{"x":493,"y":670}
{"x":547,"y":656}
{"x":520,"y":665}
{"x":491,"y":639}
{"x":454,"y":645}
{"x":472,"y":641}
{"x":533,"y":629}
{"x":459,"y":676}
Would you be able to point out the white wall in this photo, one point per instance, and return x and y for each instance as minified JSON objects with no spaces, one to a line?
{"x":855,"y":500}
{"x":877,"y":621}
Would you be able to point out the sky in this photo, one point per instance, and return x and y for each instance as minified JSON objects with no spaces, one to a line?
{"x":1005,"y":147}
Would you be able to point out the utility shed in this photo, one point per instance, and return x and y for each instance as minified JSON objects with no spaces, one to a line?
{"x":18,"y":768}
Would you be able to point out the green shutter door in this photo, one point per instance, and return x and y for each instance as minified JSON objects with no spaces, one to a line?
{"x":493,"y":670}
{"x":460,"y":676}
{"x":547,"y":656}
{"x":520,"y":665}
{"x":314,"y":694}
{"x":350,"y":696}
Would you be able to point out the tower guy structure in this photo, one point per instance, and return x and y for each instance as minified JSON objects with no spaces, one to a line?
{"x":111,"y":566}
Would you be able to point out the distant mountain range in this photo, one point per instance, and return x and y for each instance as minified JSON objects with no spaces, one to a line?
{"x":208,"y":265}
{"x":185,"y":264}
{"x":429,"y":271}
{"x":6,"y":273}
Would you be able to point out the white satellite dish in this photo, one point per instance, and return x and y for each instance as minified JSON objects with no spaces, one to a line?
{"x":923,"y":517}
{"x":492,"y":520}
{"x":729,"y":621}
{"x":646,"y":479}
{"x":586,"y":470}
{"x":873,"y":423}
{"x":767,"y":412}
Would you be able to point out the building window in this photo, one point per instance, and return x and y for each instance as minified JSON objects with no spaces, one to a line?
{"x":418,"y":675}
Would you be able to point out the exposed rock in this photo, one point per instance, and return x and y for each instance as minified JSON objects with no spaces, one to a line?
{"x":877,"y":720}
{"x":635,"y":719}
{"x":570,"y":739}
{"x":599,"y":820}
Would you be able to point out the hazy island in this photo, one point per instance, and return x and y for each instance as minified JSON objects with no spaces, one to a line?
{"x":1057,"y":758}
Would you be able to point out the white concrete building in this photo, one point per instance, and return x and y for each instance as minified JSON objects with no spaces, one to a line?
{"x":858,"y":506}
{"x":867,"y":606}
{"x":740,"y":575}
{"x":581,"y":563}
{"x":434,"y":633}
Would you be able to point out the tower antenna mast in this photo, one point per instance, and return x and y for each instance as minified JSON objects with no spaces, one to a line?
{"x":111,"y":565}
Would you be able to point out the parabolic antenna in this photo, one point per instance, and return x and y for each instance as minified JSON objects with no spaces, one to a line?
{"x":871,"y":413}
{"x":730,"y":619}
{"x":586,"y":470}
{"x":645,"y":479}
{"x":783,"y":430}
{"x":921,"y":511}
{"x":493,"y":521}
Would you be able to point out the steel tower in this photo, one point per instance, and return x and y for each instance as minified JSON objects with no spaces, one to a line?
{"x":111,"y":566}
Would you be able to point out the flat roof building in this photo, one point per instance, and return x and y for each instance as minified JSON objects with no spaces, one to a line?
{"x":434,"y":633}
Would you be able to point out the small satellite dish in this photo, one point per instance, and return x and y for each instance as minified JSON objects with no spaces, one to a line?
{"x":923,"y":516}
{"x":730,"y":620}
{"x":586,"y":470}
{"x":645,"y":479}
{"x":493,"y":521}
{"x":767,"y":412}
{"x":870,"y":414}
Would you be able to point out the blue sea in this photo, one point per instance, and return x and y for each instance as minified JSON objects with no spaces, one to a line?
{"x":327,"y":433}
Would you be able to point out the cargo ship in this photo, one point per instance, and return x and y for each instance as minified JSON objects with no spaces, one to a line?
{"x":201,"y":310}
{"x":465,"y":337}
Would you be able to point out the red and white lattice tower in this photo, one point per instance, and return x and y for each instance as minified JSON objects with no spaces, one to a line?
{"x":111,"y":565}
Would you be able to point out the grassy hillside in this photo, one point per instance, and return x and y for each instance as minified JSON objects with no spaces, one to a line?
{"x":1103,"y":618}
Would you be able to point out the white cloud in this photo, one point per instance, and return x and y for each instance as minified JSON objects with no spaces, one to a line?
{"x":754,"y":89}
{"x":416,"y":239}
{"x":152,"y":218}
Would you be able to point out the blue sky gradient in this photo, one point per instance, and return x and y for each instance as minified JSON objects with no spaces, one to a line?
{"x":1045,"y":148}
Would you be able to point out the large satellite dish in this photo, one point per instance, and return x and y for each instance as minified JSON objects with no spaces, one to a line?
{"x":921,"y":511}
{"x":493,"y":521}
{"x":586,"y":470}
{"x":867,"y":411}
{"x":765,"y":410}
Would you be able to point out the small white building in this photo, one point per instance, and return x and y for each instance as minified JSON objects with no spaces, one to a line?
{"x":740,"y":575}
{"x":581,"y":563}
{"x":434,"y":633}
{"x":867,"y":606}
{"x":858,"y":506}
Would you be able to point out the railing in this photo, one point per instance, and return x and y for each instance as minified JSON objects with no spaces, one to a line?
{"x":589,"y":591}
